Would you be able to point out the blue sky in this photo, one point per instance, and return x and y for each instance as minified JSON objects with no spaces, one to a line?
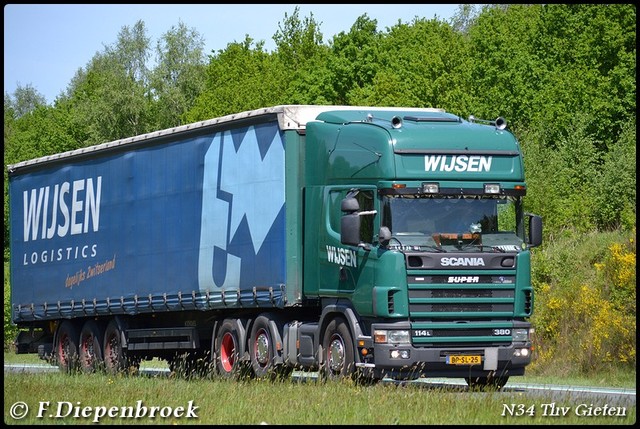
{"x":45,"y":44}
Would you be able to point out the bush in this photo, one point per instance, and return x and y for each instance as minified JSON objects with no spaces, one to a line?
{"x":10,"y":330}
{"x":585,"y":311}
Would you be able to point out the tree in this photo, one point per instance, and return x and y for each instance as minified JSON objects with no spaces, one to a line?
{"x":179,"y":76}
{"x":355,"y":58}
{"x":303,"y":58}
{"x":111,"y":97}
{"x":423,"y":64}
{"x":297,"y":40}
{"x":465,"y":17}
{"x":24,"y":100}
{"x":240,"y":77}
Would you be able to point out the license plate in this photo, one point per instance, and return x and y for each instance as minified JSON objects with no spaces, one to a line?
{"x":464,"y":360}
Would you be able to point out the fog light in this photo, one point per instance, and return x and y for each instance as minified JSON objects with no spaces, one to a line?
{"x":400,"y":354}
{"x":521,"y":353}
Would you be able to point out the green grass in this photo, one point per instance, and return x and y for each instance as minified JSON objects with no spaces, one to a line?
{"x":614,"y":377}
{"x":254,"y":402}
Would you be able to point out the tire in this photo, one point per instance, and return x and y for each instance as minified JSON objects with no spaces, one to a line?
{"x":482,"y":383}
{"x":338,"y":351}
{"x":262,"y":348}
{"x":90,"y":348}
{"x":227,"y":351}
{"x":115,"y":359}
{"x":67,"y":347}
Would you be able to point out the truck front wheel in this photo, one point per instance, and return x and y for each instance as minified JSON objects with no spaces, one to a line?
{"x":338,"y":350}
{"x":67,"y":347}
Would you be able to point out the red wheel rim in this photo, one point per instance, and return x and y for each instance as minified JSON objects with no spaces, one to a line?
{"x":227,"y":352}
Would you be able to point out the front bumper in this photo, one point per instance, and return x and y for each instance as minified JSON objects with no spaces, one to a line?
{"x":405,"y":361}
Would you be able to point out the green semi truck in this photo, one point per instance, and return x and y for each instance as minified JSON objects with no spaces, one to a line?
{"x":363,"y":242}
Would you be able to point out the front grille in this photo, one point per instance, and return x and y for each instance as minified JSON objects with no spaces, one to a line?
{"x":484,"y":296}
{"x":421,"y":309}
{"x":461,"y":310}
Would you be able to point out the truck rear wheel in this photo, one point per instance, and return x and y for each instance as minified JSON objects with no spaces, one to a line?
{"x":226,"y":351}
{"x":90,"y":348}
{"x":262,"y":347}
{"x":338,"y":350}
{"x":67,"y":346}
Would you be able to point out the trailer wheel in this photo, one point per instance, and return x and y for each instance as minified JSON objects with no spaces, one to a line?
{"x":67,"y":347}
{"x":90,"y":348}
{"x":338,"y":350}
{"x":114,"y":354}
{"x":227,"y":349}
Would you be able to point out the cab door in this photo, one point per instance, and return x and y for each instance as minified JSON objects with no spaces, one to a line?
{"x":344,"y":268}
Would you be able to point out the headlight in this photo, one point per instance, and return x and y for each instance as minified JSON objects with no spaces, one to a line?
{"x":392,"y":337}
{"x":520,"y":335}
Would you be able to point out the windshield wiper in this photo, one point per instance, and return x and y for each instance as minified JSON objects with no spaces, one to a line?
{"x":431,"y":247}
{"x":483,"y":246}
{"x":414,"y":247}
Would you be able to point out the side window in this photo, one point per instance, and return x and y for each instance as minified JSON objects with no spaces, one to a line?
{"x":333,"y":207}
{"x":365,"y":200}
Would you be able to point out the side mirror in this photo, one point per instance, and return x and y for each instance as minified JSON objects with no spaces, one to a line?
{"x":349,"y":205}
{"x":535,"y":230}
{"x":350,"y":229}
{"x":350,"y":222}
{"x":384,"y":236}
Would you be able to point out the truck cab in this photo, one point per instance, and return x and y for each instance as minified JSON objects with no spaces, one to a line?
{"x":416,"y":221}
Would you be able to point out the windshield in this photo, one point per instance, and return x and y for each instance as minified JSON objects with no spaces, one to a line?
{"x":453,"y":223}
